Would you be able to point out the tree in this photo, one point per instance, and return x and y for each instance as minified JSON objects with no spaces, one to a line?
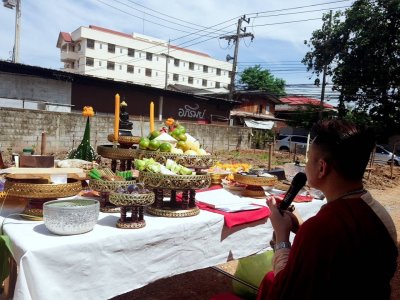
{"x":256,"y":78}
{"x":307,"y":116}
{"x":362,"y":52}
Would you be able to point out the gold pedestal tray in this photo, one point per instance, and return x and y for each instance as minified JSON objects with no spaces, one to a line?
{"x":174,"y":208}
{"x":254,"y":184}
{"x":38,"y":191}
{"x":105,"y":187}
{"x":133,"y":203}
{"x":189,"y":161}
{"x":124,"y":155}
{"x":126,"y":141}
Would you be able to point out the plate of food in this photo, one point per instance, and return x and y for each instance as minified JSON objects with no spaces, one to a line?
{"x":232,"y":185}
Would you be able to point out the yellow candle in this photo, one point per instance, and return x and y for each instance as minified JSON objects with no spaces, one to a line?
{"x":116,"y":117}
{"x":151,"y":116}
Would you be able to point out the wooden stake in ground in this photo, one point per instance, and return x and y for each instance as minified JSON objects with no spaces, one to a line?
{"x":43,"y":143}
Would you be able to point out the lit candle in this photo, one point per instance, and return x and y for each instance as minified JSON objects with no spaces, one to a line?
{"x":151,"y":116}
{"x":116,"y":117}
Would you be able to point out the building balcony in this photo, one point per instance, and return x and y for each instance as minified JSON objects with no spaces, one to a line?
{"x":68,"y":56}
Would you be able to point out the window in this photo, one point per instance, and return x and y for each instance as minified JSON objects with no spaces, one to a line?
{"x":219,"y":72}
{"x":101,"y":46}
{"x":176,"y":62}
{"x":90,"y":61}
{"x":120,"y":50}
{"x":184,"y":64}
{"x":217,"y":85}
{"x":99,"y":63}
{"x":139,"y":71}
{"x":78,"y":47}
{"x":120,"y":67}
{"x":204,"y":82}
{"x":205,"y":69}
{"x":260,"y":109}
{"x":129,"y":69}
{"x":149,"y":56}
{"x":131,"y":52}
{"x":156,"y":74}
{"x":299,"y":139}
{"x":90,"y":43}
{"x":110,"y":65}
{"x":190,"y":80}
{"x":148,"y":72}
{"x":191,"y":66}
{"x":175,"y":77}
{"x":111,"y":48}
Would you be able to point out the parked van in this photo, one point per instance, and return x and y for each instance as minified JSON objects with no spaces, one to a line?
{"x":286,"y":142}
{"x":384,"y":156}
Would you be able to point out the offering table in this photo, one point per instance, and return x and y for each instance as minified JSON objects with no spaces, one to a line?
{"x":108,"y":261}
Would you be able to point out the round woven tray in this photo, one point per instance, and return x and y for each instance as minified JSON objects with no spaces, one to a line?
{"x":255,"y":180}
{"x":171,"y":213}
{"x":108,"y":151}
{"x":109,"y":186}
{"x":131,"y":199}
{"x":175,"y":182}
{"x":189,"y":161}
{"x":124,"y":139}
{"x":42,"y":190}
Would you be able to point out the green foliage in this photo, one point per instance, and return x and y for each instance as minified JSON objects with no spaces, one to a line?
{"x":305,"y":117}
{"x":362,"y":51}
{"x":256,"y":78}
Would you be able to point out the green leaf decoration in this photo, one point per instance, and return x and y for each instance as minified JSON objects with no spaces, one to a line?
{"x":84,"y":151}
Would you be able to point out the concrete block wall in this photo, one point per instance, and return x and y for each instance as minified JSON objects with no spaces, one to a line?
{"x":22,"y":128}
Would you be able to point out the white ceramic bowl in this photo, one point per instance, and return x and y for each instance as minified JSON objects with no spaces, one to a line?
{"x":73,"y":216}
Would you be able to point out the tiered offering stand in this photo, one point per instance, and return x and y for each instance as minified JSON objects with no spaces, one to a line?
{"x":171,"y":185}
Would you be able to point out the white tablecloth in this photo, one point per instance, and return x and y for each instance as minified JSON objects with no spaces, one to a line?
{"x":109,"y":261}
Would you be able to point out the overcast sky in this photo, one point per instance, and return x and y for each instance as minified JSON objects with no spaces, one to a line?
{"x":279,"y":27}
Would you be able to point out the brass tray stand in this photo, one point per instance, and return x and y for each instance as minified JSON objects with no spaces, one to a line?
{"x":119,"y":151}
{"x":170,"y":184}
{"x":133,"y":204}
{"x":104,"y":188}
{"x":37,"y":193}
{"x":254,"y":184}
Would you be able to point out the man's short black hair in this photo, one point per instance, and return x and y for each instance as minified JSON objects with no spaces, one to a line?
{"x":347,"y":146}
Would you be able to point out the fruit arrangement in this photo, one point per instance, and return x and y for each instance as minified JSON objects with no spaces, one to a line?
{"x":170,"y":167}
{"x":172,"y":138}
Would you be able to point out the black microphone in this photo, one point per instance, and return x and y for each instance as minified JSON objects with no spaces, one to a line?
{"x":299,"y":180}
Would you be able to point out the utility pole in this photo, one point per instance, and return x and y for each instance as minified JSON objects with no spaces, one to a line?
{"x":324,"y":74}
{"x":236,"y":39}
{"x":17,"y":4}
{"x":166,"y":66}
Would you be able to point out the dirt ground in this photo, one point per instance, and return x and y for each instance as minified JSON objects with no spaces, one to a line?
{"x":383,"y":183}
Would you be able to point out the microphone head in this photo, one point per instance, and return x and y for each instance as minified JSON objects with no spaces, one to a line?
{"x":299,"y":179}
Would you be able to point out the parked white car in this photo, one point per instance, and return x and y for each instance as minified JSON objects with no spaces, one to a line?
{"x":286,"y":142}
{"x":384,"y":156}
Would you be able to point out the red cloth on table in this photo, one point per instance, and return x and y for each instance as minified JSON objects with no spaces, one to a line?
{"x":234,"y":218}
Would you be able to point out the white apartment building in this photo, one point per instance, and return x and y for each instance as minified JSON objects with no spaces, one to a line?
{"x":140,"y":59}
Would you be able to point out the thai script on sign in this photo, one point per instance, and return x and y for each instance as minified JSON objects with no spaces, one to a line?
{"x":191,"y":112}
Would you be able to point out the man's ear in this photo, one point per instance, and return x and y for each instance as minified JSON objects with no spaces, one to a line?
{"x":323,"y":168}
